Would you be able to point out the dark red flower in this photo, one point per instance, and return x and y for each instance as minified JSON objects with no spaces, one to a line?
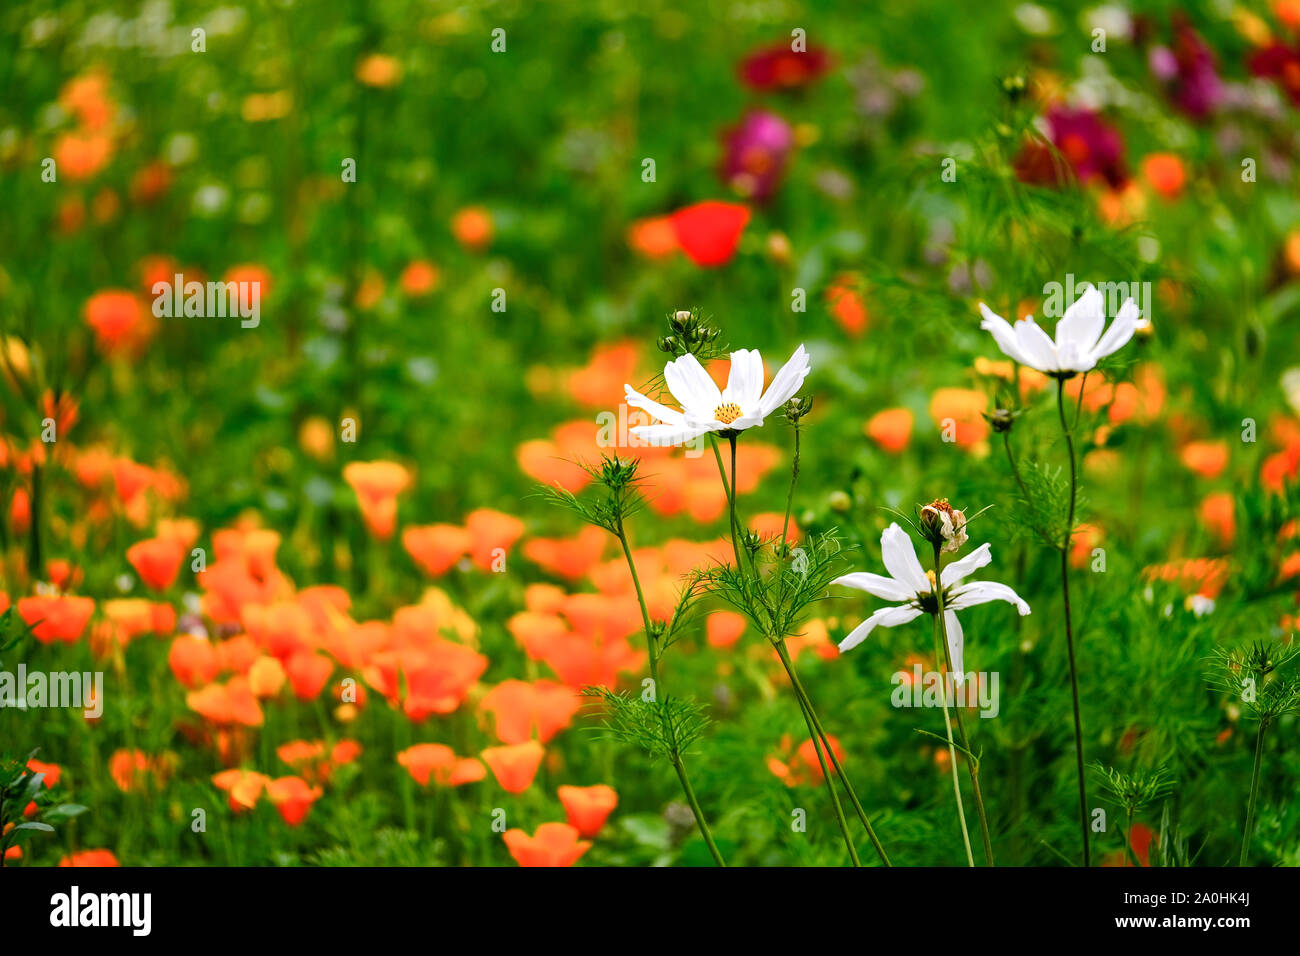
{"x":1280,"y":62}
{"x":779,"y":67}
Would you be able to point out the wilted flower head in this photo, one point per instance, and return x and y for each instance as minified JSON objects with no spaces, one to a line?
{"x":944,"y":525}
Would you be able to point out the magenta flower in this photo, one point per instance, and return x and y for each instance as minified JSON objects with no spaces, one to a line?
{"x":1087,"y":143}
{"x":755,"y":154}
{"x":1188,"y":72}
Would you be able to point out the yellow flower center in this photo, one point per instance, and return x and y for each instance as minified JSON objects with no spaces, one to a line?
{"x":727,"y":413}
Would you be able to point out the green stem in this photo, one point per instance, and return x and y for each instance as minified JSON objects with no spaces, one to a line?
{"x":654,"y":651}
{"x":1015,"y":469}
{"x":1128,"y":838}
{"x":972,"y":763}
{"x":830,"y":782}
{"x":1069,"y":631}
{"x":1254,"y":795}
{"x":952,"y":751}
{"x":806,"y":702}
{"x":34,"y":569}
{"x":794,"y":478}
{"x":815,"y":732}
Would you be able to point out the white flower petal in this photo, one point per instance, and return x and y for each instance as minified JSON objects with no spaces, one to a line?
{"x":875,"y":584}
{"x":745,"y":381}
{"x":900,"y":560}
{"x":956,"y":646}
{"x":692,"y":387}
{"x":1120,"y":331}
{"x":1081,"y":326}
{"x":959,"y":569}
{"x":1039,"y":350}
{"x":660,"y":435}
{"x":982,"y":592}
{"x":1003,"y":334}
{"x":885,"y":617}
{"x":786,"y":382}
{"x":662,"y":412}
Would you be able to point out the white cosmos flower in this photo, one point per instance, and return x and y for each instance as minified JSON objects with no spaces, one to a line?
{"x":742,"y":404}
{"x":1079,"y":343}
{"x":909,"y":584}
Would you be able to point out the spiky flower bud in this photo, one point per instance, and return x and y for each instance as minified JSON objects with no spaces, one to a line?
{"x":1001,"y":419}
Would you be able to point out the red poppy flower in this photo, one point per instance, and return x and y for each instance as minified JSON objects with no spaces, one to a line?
{"x":709,"y":232}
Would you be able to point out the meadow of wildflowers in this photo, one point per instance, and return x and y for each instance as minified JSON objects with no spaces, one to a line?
{"x":602,"y":434}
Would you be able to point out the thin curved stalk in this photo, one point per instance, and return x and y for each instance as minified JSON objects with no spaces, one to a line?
{"x":806,"y":701}
{"x":952,"y":750}
{"x":972,"y":763}
{"x":655,"y":651}
{"x":1249,"y":830}
{"x":1069,"y":630}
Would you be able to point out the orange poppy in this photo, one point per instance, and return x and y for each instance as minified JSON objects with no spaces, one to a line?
{"x":724,"y":628}
{"x":56,"y":617}
{"x":514,"y":765}
{"x":119,"y":319}
{"x":847,"y":306}
{"x":604,"y":374}
{"x":377,"y":485}
{"x":266,"y":676}
{"x":770,"y":525}
{"x":555,"y":844}
{"x":588,"y":807}
{"x":308,"y":673}
{"x":1209,"y":459}
{"x":1165,"y":173}
{"x":436,"y":548}
{"x":1218,"y":514}
{"x":419,"y":278}
{"x":961,"y":410}
{"x":544,"y":461}
{"x":492,"y":534}
{"x":473,"y":228}
{"x":1083,"y":541}
{"x":90,"y":858}
{"x":193,"y":660}
{"x":242,"y":787}
{"x":439,"y":763}
{"x":521,"y":709}
{"x":890,"y":429}
{"x":379,"y":70}
{"x":225,"y":704}
{"x":569,"y":558}
{"x":292,"y":797}
{"x":653,"y":237}
{"x":157,"y":561}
